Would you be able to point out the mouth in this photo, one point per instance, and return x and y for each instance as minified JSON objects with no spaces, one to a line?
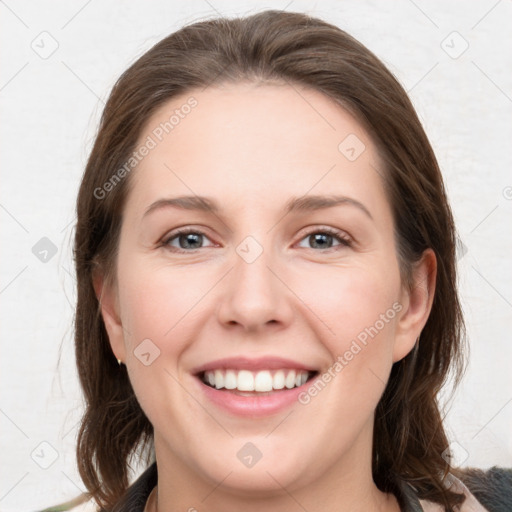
{"x":255,"y":383}
{"x":253,"y":387}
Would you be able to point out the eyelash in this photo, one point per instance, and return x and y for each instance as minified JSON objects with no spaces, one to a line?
{"x":344,"y":240}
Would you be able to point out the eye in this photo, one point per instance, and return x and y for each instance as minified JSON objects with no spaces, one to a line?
{"x":188,"y":239}
{"x":185,"y":240}
{"x":323,"y":239}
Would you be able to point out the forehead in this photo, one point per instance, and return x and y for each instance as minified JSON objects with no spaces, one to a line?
{"x":255,"y":144}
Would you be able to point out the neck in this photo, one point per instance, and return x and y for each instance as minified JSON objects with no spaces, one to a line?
{"x":346,"y":486}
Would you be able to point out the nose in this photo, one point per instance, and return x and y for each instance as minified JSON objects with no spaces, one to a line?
{"x":255,"y":295}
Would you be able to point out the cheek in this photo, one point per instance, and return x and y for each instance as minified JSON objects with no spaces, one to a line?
{"x":159,"y":308}
{"x":356,"y":303}
{"x":360,"y":308}
{"x":363,"y":314}
{"x":158,"y":302}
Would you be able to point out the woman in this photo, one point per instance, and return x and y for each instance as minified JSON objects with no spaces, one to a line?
{"x":267,"y":303}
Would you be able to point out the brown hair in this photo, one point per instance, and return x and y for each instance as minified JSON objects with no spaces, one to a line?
{"x":273,"y":46}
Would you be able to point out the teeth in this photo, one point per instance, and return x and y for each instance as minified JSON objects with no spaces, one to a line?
{"x":219,"y":379}
{"x":245,"y":381}
{"x":264,"y":380}
{"x":290,"y":380}
{"x":229,"y":380}
{"x":279,"y":379}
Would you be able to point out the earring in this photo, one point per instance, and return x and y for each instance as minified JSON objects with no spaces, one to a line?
{"x":119,"y":362}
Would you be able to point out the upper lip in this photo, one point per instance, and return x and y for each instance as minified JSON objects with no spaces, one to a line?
{"x":246,"y":363}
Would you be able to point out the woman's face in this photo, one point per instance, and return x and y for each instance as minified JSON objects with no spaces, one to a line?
{"x":272,"y":275}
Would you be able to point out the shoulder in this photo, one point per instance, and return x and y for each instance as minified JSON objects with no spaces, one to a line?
{"x":134,"y":499}
{"x":88,"y":506}
{"x":485,"y":491}
{"x":81,"y":503}
{"x":492,"y":487}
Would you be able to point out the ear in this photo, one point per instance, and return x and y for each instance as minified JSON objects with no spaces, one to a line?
{"x":109,"y":305}
{"x":417,"y":303}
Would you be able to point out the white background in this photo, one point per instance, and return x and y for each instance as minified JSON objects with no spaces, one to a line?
{"x":50,"y":109}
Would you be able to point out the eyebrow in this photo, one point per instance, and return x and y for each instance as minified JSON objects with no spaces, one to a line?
{"x":295,"y":204}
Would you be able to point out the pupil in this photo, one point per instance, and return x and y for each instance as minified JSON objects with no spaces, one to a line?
{"x":191,"y":238}
{"x":320,"y":237}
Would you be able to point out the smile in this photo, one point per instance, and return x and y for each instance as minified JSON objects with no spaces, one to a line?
{"x":260,"y":381}
{"x":248,"y":387}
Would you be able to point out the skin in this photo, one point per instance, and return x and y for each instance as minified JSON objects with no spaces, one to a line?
{"x":252,"y":148}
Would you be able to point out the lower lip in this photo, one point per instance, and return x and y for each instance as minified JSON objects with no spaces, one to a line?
{"x":259,"y":404}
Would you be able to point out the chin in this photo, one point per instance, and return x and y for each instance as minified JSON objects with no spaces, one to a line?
{"x":261,"y":482}
{"x":258,"y":467}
